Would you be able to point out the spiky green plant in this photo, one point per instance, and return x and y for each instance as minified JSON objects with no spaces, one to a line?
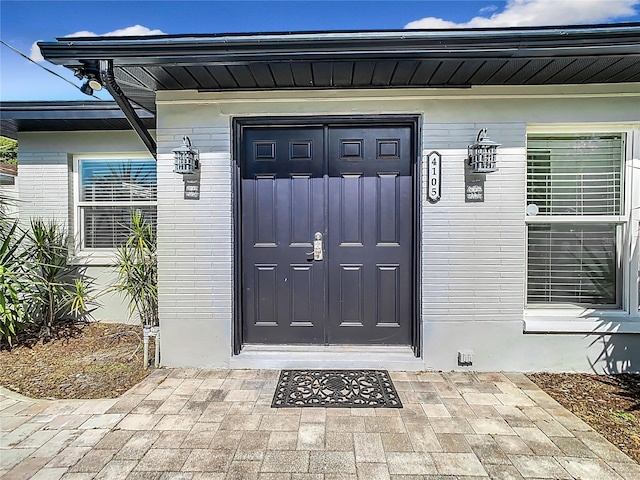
{"x":60,"y":291}
{"x":39,"y":287}
{"x":138,"y":270}
{"x":14,"y":287}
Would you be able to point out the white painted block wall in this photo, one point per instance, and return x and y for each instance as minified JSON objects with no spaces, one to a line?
{"x":473,"y":255}
{"x":45,"y":180}
{"x":195,"y":241}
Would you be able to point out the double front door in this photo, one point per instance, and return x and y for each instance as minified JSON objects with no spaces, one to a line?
{"x":326,"y":234}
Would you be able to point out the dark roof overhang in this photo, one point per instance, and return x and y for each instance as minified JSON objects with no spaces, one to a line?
{"x":526,"y":42}
{"x":375,"y":59}
{"x":65,"y":116}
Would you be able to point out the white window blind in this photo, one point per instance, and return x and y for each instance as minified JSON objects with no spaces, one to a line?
{"x":579,"y":175}
{"x":108,"y":227}
{"x":109,"y":191}
{"x":569,"y":176}
{"x":571,"y":263}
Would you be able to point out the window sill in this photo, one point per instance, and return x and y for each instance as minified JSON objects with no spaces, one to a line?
{"x":580,"y":321}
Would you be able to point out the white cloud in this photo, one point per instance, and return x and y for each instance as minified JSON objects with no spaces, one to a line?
{"x":83,"y":33}
{"x":35,"y":53}
{"x":133,"y":31}
{"x":489,"y":9}
{"x":541,"y":12}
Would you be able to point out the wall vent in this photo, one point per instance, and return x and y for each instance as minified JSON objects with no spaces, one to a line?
{"x":465,"y":358}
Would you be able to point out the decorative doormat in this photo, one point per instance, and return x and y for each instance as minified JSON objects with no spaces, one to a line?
{"x":336,"y":388}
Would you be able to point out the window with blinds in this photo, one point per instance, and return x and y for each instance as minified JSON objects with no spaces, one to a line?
{"x":571,"y":176}
{"x":109,"y":190}
{"x":575,"y":175}
{"x":572,"y":263}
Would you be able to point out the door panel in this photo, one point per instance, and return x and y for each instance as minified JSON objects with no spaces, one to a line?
{"x":369,"y":232}
{"x":388,"y":296}
{"x":358,"y":195}
{"x":265,"y":281}
{"x":282,"y":198}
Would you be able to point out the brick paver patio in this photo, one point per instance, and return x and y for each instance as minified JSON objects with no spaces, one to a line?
{"x":215,"y":424}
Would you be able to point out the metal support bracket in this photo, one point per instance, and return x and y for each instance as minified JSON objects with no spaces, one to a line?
{"x":109,"y":81}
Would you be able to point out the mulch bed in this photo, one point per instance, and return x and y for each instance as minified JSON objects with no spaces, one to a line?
{"x":609,"y":403}
{"x":97,"y":360}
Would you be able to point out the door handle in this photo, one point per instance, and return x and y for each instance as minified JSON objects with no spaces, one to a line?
{"x":317,"y":247}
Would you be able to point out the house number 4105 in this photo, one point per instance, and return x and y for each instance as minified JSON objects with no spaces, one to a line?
{"x":433,"y":177}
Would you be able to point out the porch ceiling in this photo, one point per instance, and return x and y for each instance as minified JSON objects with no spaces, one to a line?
{"x":342,"y":60}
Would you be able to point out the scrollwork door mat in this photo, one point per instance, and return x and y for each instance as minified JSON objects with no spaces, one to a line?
{"x":336,"y":388}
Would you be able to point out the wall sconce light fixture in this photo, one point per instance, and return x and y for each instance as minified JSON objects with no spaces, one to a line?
{"x":482,"y":154}
{"x":185,"y":159}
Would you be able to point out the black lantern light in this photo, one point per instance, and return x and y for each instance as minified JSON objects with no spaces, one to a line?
{"x":482,"y":154}
{"x":185,"y":158}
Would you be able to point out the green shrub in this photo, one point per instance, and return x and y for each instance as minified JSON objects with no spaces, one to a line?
{"x":8,"y":150}
{"x":14,"y":285}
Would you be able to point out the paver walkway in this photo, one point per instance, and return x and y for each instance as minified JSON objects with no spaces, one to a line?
{"x":213,"y":424}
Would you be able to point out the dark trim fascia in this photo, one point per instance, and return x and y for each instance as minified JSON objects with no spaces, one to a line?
{"x":465,"y":86}
{"x":237,"y":126}
{"x":237,"y":326}
{"x":528,"y":42}
{"x":66,"y":116}
{"x":59,"y":105}
{"x":68,"y":110}
{"x":109,"y":82}
{"x":417,"y":32}
{"x":417,"y":239}
{"x":321,"y":120}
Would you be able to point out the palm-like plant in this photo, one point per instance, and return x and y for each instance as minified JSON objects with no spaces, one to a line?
{"x":138,"y":270}
{"x":59,"y":291}
{"x":38,"y":286}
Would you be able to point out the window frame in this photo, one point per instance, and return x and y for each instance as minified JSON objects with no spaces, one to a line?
{"x":100,"y":255}
{"x":571,"y":318}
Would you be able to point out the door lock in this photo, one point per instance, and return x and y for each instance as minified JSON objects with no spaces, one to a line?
{"x":317,"y":247}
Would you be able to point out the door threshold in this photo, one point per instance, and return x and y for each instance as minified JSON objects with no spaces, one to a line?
{"x":392,"y":357}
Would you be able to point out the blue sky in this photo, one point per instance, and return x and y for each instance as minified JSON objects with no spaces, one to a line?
{"x":24,"y":22}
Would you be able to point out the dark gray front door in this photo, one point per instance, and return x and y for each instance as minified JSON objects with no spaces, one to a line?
{"x":352,"y":185}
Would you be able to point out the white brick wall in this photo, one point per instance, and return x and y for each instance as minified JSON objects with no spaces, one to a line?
{"x":472,"y":254}
{"x":473,"y":261}
{"x":45,"y":181}
{"x":195,"y":250}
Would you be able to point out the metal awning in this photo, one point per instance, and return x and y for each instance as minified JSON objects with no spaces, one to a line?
{"x":374,"y":59}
